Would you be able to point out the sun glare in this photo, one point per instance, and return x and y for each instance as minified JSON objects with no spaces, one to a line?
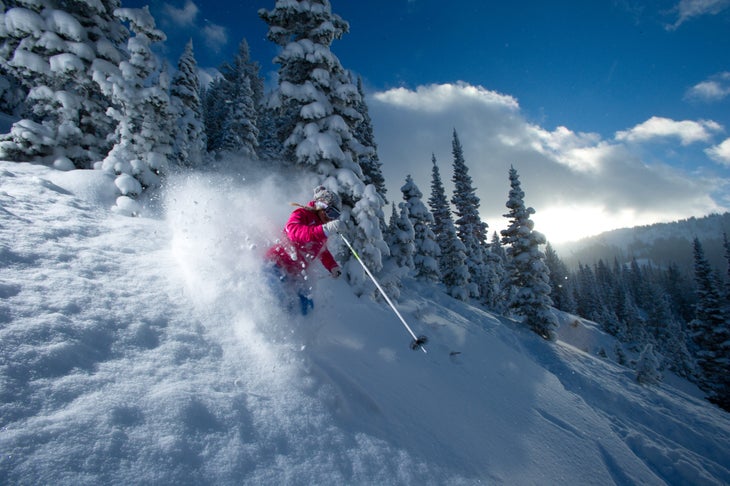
{"x":567,"y":223}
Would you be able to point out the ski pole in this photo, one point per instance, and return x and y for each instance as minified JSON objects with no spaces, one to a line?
{"x":418,"y":341}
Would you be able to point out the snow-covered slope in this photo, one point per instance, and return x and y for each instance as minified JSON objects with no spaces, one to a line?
{"x":150,"y":351}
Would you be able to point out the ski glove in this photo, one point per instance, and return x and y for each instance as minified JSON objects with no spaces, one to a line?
{"x":336,"y":272}
{"x":335,"y":226}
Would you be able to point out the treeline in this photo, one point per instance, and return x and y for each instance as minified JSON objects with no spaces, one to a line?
{"x":675,"y":321}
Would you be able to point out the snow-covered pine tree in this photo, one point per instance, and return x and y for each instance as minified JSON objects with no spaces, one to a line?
{"x":496,"y":248}
{"x":27,"y":61}
{"x":12,"y":92}
{"x":313,"y":87}
{"x":214,"y":112}
{"x":367,"y":233}
{"x":710,"y":333}
{"x":316,"y":103}
{"x":389,"y":232}
{"x":233,"y":106}
{"x":494,"y":274}
{"x":190,"y":144}
{"x":243,"y":94}
{"x":527,"y":270}
{"x":52,"y":49}
{"x":636,"y":278}
{"x":142,"y":110}
{"x":681,"y":292}
{"x":633,"y":332}
{"x":269,"y":145}
{"x":251,"y":70}
{"x":588,"y":301}
{"x":108,"y":37}
{"x":562,"y":292}
{"x":496,"y":259}
{"x":427,"y":250}
{"x":452,"y":261}
{"x":401,"y":237}
{"x":610,"y":295}
{"x":369,"y":161}
{"x":472,"y":231}
{"x":240,"y":133}
{"x":647,"y":368}
{"x":665,"y":330}
{"x":676,"y":351}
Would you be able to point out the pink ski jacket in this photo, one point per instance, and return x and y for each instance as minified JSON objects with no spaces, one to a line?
{"x":303,"y":242}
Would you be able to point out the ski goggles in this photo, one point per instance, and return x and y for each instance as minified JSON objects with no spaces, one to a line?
{"x":332,"y":212}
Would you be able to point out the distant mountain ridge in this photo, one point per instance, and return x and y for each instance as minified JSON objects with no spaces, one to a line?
{"x":659,"y":244}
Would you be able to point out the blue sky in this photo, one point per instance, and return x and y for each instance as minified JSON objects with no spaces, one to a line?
{"x":615,"y":113}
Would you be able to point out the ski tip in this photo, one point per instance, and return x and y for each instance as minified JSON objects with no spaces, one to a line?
{"x":419,"y":342}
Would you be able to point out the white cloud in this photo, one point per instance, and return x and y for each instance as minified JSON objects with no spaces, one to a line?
{"x":581,"y":152}
{"x":658,"y":127}
{"x":714,"y":89}
{"x":688,"y":9}
{"x":439,"y":97}
{"x":720,"y":153}
{"x":183,"y":17}
{"x":577,"y":179}
{"x":216,"y":36}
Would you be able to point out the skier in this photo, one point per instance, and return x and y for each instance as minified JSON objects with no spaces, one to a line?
{"x":305,"y":240}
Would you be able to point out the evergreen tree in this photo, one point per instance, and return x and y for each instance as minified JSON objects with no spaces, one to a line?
{"x":496,"y":259}
{"x":144,"y":122}
{"x":710,"y":333}
{"x":214,"y":113}
{"x":402,"y":237}
{"x":470,"y":228}
{"x":240,"y":133}
{"x":54,"y":51}
{"x":496,"y":248}
{"x":629,"y":325}
{"x":251,"y":70}
{"x":676,"y":350}
{"x":634,"y":333}
{"x":389,"y":232}
{"x":313,"y":87}
{"x":681,"y":292}
{"x":316,"y":103}
{"x":190,"y":143}
{"x":605,"y":282}
{"x":427,"y":250}
{"x":368,"y":160}
{"x":527,"y":270}
{"x":12,"y":91}
{"x":635,"y":276}
{"x":562,"y":294}
{"x":588,"y":301}
{"x":109,"y":37}
{"x":269,"y":146}
{"x":234,"y":107}
{"x":452,"y":260}
{"x":243,"y":92}
{"x":647,"y":368}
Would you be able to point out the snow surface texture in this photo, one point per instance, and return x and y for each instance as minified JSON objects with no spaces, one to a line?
{"x":149,"y":351}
